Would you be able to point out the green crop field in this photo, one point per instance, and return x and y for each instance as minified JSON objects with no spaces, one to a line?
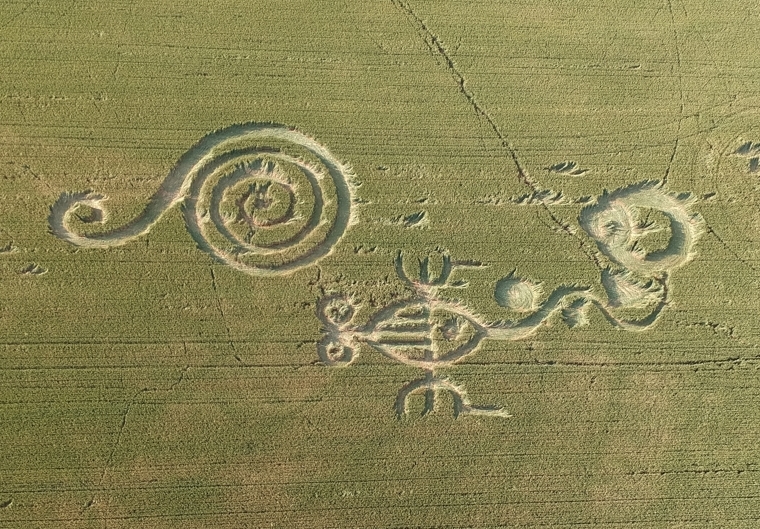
{"x":379,"y":264}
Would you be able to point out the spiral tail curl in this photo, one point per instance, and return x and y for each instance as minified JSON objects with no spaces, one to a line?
{"x":264,"y":199}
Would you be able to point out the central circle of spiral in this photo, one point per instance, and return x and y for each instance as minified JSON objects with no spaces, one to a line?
{"x":262,"y":202}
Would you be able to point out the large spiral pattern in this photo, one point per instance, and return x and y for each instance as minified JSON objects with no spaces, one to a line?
{"x":262,"y":198}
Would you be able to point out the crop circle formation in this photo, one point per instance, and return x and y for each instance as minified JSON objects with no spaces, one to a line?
{"x":263,"y":199}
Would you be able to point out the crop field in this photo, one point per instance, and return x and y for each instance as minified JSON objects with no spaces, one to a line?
{"x":379,"y":264}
